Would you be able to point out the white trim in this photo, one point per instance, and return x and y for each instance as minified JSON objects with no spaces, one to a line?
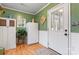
{"x":7,"y":18}
{"x":42,"y":8}
{"x":17,"y":10}
{"x":69,"y":31}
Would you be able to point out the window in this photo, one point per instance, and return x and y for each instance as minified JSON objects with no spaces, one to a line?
{"x":57,"y":20}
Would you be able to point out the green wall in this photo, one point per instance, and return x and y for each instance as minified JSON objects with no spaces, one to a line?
{"x":13,"y":14}
{"x":43,"y":12}
{"x":74,"y":8}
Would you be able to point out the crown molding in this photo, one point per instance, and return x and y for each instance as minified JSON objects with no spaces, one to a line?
{"x":17,"y":10}
{"x":42,"y":8}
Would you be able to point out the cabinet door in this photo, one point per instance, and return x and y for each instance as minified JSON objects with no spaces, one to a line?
{"x":11,"y":38}
{"x":32,"y":33}
{"x":1,"y":37}
{"x":11,"y":35}
{"x":4,"y":37}
{"x":3,"y":33}
{"x":35,"y":33}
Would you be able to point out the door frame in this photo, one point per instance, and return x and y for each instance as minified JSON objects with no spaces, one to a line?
{"x":69,"y":25}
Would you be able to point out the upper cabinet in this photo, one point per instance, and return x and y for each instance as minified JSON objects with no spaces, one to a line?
{"x":7,"y":22}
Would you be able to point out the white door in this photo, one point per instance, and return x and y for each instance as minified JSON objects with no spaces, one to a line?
{"x":58,"y":28}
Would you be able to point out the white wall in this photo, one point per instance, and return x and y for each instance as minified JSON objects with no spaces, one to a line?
{"x":43,"y":38}
{"x":74,"y":43}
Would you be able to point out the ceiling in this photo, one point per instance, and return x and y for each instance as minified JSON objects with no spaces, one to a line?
{"x":31,"y":8}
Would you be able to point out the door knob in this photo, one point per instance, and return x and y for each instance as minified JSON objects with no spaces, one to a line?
{"x":65,"y":30}
{"x":65,"y":34}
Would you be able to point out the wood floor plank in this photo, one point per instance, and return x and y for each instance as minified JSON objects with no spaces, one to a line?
{"x":24,"y":49}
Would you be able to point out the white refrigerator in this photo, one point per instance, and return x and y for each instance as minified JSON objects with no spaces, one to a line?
{"x":32,"y":33}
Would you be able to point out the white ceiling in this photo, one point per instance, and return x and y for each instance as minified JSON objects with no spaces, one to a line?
{"x":31,"y":8}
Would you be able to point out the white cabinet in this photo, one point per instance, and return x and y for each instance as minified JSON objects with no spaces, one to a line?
{"x":7,"y":33}
{"x":1,"y":37}
{"x":32,"y":33}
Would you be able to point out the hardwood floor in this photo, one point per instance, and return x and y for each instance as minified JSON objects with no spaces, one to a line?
{"x":23,"y":49}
